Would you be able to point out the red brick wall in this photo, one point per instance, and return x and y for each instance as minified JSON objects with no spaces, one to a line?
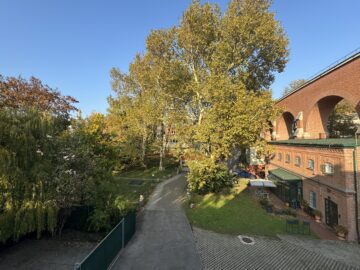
{"x":339,"y":186}
{"x":343,"y":82}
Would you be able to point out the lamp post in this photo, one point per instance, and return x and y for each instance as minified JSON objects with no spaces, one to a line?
{"x":357,"y":132}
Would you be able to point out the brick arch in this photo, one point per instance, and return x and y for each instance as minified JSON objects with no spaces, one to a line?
{"x":317,"y":114}
{"x":284,"y":126}
{"x":316,"y":99}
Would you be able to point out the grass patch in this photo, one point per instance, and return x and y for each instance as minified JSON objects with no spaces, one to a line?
{"x":152,"y":172}
{"x":151,"y":176}
{"x":236,"y":212}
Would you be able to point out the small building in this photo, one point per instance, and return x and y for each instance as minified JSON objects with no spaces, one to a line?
{"x":323,"y":172}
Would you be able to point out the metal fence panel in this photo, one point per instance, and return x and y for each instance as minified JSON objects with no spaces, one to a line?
{"x":129,"y":227}
{"x":105,"y":252}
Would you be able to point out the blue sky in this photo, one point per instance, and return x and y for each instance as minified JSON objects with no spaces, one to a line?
{"x":72,"y":44}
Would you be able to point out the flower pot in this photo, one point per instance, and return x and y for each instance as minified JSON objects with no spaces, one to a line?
{"x":341,"y":236}
{"x":317,"y":219}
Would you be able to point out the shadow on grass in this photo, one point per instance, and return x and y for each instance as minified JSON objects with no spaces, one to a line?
{"x":234,"y":213}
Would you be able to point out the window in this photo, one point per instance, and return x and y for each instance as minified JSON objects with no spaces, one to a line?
{"x":279,"y":156}
{"x":287,"y":158}
{"x":327,"y":168}
{"x":297,"y":161}
{"x":311,"y":164}
{"x":312,"y":199}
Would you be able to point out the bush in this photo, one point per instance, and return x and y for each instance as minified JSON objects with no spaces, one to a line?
{"x":289,"y":212}
{"x":286,"y":211}
{"x":264,"y":202}
{"x":317,"y":213}
{"x":341,"y":230}
{"x":206,"y":176}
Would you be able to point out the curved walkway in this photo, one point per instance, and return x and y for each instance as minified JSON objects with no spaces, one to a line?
{"x":163,"y":239}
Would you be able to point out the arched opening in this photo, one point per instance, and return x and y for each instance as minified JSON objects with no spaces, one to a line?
{"x":285,"y":126}
{"x":343,"y":120}
{"x":332,"y":116}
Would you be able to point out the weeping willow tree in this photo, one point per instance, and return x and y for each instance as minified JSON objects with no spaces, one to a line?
{"x":26,"y":154}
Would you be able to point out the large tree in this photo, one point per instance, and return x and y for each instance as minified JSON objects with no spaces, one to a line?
{"x":295,"y":84}
{"x":20,"y":93}
{"x":213,"y":71}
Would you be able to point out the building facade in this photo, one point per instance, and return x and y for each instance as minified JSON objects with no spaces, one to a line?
{"x":321,"y":172}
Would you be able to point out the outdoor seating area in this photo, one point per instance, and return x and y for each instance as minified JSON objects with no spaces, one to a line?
{"x":297,"y":226}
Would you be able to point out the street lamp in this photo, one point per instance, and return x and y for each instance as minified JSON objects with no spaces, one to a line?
{"x":357,"y":132}
{"x":356,"y":185}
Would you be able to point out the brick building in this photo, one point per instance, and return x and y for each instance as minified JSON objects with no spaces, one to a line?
{"x":308,"y":165}
{"x":322,"y":173}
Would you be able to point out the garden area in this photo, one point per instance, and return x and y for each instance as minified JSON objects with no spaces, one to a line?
{"x":235,"y":211}
{"x":61,"y":172}
{"x":141,"y":181}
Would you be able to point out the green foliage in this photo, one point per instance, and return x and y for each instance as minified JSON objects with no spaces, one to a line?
{"x":341,"y":122}
{"x":206,"y":176}
{"x":47,"y":167}
{"x":339,"y":229}
{"x":208,"y":77}
{"x":317,"y":213}
{"x":293,"y":86}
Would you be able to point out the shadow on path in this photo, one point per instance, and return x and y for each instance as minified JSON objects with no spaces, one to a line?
{"x":163,"y":239}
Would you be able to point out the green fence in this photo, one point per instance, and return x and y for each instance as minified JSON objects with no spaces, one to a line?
{"x":105,"y":252}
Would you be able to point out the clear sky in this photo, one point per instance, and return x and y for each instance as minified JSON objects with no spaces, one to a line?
{"x":72,"y":44}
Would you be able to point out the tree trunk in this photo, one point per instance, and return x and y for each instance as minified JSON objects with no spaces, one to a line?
{"x":162,"y":147}
{"x":143,"y":153}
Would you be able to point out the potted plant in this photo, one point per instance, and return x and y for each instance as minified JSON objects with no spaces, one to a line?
{"x":303,"y":204}
{"x":341,"y":232}
{"x":317,"y":215}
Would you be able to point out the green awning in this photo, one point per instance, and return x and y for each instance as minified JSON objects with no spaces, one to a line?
{"x":280,"y":174}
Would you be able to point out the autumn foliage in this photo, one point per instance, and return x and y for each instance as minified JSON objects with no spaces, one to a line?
{"x":20,"y":93}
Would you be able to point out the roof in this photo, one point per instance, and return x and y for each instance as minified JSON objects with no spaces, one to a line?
{"x":285,"y":175}
{"x":261,"y":183}
{"x":342,"y":61}
{"x":331,"y":143}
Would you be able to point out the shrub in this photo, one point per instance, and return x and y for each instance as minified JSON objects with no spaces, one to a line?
{"x":289,"y":212}
{"x":317,"y":213}
{"x":264,"y":202}
{"x":286,"y":211}
{"x":304,"y":203}
{"x":341,"y":230}
{"x":206,"y":176}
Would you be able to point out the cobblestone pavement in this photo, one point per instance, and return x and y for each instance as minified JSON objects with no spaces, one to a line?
{"x":218,"y":251}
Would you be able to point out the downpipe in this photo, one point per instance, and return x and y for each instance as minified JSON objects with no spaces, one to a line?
{"x":356,"y":194}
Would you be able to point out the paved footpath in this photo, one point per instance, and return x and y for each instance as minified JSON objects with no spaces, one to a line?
{"x":163,"y":239}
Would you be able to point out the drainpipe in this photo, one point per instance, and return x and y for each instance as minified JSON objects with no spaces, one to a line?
{"x":356,"y":193}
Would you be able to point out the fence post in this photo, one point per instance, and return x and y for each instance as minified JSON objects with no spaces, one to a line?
{"x":122,"y":232}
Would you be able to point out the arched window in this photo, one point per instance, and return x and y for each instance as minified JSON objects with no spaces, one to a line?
{"x":297,"y":161}
{"x":279,"y":156}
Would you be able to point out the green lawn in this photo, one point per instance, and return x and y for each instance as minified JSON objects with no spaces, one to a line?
{"x":150,"y":176}
{"x":235,"y":213}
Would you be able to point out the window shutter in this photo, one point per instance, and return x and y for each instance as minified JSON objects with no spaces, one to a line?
{"x":322,"y":168}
